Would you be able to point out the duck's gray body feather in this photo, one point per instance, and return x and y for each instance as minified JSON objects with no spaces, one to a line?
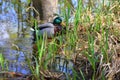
{"x":46,"y":29}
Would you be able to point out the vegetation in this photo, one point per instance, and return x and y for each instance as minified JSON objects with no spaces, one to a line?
{"x":91,"y":41}
{"x":91,"y":44}
{"x":2,"y":60}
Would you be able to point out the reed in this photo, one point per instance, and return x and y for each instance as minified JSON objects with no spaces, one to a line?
{"x":96,"y":20}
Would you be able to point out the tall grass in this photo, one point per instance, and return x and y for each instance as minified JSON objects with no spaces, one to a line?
{"x":96,"y":22}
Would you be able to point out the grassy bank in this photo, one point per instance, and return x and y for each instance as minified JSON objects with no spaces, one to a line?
{"x":92,"y":42}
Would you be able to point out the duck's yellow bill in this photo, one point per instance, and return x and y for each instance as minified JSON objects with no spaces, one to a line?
{"x":63,"y":24}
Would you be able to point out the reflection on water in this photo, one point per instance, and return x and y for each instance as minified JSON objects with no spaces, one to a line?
{"x":7,"y":12}
{"x":15,"y":52}
{"x":61,"y":64}
{"x":14,"y":49}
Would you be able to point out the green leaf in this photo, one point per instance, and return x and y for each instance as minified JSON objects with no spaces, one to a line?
{"x":29,"y":1}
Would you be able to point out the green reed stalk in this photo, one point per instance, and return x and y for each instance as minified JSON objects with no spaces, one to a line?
{"x":2,"y":60}
{"x":40,"y":44}
{"x":90,"y":55}
{"x":83,"y":78}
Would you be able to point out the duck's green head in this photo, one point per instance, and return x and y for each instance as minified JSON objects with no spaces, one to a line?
{"x":57,"y":20}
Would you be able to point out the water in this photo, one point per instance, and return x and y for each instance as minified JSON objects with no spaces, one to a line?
{"x":61,"y":64}
{"x":15,"y":53}
{"x":14,"y":49}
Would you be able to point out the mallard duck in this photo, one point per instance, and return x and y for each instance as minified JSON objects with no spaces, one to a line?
{"x":50,"y":29}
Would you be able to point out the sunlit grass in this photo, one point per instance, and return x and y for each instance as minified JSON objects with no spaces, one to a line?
{"x":2,"y":61}
{"x":96,"y":35}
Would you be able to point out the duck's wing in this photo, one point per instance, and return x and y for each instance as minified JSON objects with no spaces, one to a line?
{"x":47,"y":28}
{"x":46,"y":25}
